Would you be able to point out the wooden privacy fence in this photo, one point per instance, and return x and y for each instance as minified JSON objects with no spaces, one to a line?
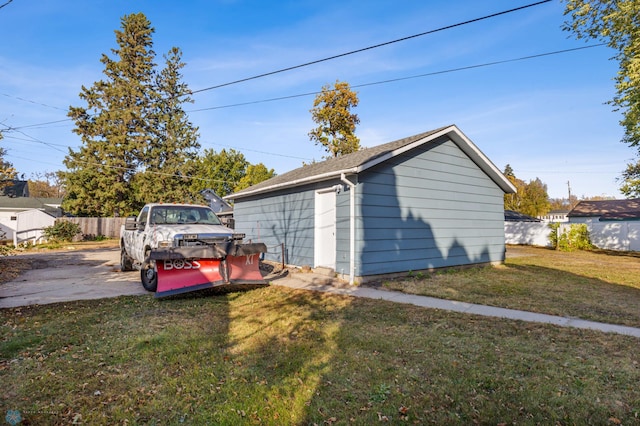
{"x":92,"y":227}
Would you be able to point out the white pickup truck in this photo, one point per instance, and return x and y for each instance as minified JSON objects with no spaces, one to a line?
{"x":184,"y":247}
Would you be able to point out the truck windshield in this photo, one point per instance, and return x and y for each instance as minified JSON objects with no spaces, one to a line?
{"x":183,"y":214}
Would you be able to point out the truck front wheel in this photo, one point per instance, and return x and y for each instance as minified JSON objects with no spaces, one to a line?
{"x":148,"y":275}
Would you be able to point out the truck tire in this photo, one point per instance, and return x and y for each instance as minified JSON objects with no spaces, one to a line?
{"x":148,"y":275}
{"x":126,"y":263}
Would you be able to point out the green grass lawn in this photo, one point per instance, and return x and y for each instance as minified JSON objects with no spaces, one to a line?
{"x":280,"y":356}
{"x":597,"y":286}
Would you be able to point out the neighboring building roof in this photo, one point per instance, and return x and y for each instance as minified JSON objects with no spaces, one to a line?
{"x":368,"y":157}
{"x":14,"y":188}
{"x":608,"y":209}
{"x":48,"y":205}
{"x":513,"y":216}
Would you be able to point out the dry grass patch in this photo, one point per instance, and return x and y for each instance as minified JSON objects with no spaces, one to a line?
{"x":280,"y":356}
{"x":598,"y":286}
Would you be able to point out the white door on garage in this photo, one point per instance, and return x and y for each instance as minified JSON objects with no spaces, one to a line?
{"x":325,"y":229}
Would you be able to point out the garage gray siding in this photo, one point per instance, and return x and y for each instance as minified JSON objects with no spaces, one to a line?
{"x":289,"y":217}
{"x":428,"y":208}
{"x":285,"y":217}
{"x":342,"y":231}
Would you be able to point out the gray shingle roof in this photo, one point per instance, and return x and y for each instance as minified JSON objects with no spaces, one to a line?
{"x":513,"y":216}
{"x":608,"y":209}
{"x":14,"y":188}
{"x":355,"y":162}
{"x":18,"y":204}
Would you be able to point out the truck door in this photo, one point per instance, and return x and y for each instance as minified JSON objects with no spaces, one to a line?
{"x":139,"y":235}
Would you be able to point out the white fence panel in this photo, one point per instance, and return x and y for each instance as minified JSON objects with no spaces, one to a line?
{"x":634,"y":236}
{"x":609,"y":236}
{"x":527,"y":233}
{"x":30,"y":225}
{"x":620,"y":236}
{"x":623,"y":236}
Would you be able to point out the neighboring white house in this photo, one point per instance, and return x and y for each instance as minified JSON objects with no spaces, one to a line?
{"x":22,"y":218}
{"x":555,"y":216}
{"x":30,"y":226}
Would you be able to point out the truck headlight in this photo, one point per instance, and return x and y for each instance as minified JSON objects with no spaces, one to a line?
{"x":164,"y":243}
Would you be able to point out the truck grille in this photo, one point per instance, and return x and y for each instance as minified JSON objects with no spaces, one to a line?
{"x":189,"y":242}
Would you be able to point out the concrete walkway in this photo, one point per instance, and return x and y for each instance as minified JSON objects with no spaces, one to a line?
{"x":317,"y":282}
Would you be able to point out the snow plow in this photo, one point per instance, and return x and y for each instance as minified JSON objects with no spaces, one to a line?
{"x":181,"y":248}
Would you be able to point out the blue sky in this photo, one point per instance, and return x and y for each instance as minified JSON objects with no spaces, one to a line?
{"x":546,"y":117}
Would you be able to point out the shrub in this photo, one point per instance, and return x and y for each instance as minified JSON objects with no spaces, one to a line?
{"x":5,"y":249}
{"x":553,"y":236}
{"x":576,"y":238}
{"x":62,"y":231}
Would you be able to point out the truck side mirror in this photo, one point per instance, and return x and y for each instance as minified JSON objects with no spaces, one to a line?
{"x":130,"y":224}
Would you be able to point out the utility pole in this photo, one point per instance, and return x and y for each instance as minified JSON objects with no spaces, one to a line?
{"x":569,"y":187}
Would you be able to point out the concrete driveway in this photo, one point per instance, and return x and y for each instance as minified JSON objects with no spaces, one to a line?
{"x":71,"y":275}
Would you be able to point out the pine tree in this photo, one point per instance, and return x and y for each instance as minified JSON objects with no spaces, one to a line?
{"x":137,"y":143}
{"x":168,"y":162}
{"x":114,"y":126}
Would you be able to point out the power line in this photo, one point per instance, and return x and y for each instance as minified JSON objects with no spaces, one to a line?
{"x":90,"y":163}
{"x":31,"y":139}
{"x":32,"y":102}
{"x":448,"y":27}
{"x":280,"y":98}
{"x":40,"y":124}
{"x":50,"y":145}
{"x":393,"y":80}
{"x":261,"y":152}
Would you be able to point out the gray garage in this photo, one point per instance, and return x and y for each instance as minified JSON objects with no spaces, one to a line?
{"x":427,"y":201}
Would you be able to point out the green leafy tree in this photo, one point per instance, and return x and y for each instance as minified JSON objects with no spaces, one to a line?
{"x":254,"y":174}
{"x":530,"y":198}
{"x":631,"y":181}
{"x":7,"y":172}
{"x":221,"y":172}
{"x":616,"y":23}
{"x":535,"y":199}
{"x":45,"y":185}
{"x":336,"y":123}
{"x":169,"y":159}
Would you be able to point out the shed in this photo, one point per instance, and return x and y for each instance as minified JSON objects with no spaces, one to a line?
{"x":21,"y":217}
{"x":427,"y":201}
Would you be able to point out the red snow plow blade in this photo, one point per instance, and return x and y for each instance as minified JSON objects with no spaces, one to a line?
{"x":178,"y":274}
